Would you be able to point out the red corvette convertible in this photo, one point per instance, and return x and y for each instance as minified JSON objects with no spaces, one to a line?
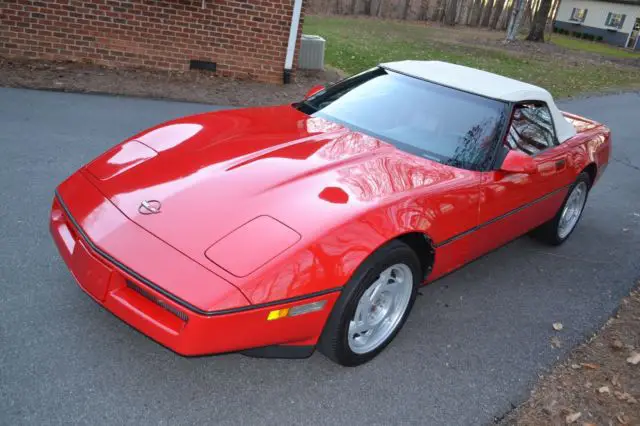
{"x":273,"y":231}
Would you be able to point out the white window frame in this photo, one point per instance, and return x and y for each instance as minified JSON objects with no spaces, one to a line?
{"x":578,"y":14}
{"x":620,"y":18}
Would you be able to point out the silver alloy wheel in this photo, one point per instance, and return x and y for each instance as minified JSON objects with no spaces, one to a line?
{"x":572,"y":209}
{"x":380,"y":309}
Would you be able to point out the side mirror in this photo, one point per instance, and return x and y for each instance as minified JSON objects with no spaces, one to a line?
{"x":314,"y":90}
{"x":518,"y":162}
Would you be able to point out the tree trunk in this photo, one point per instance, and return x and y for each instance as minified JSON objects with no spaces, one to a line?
{"x":516,"y":20}
{"x":478,"y":18}
{"x":451,"y":12}
{"x":405,"y":11}
{"x":460,"y":11}
{"x":539,"y":22}
{"x":423,"y":15}
{"x":473,"y":11}
{"x":552,"y":15}
{"x":488,"y":9}
{"x":499,"y":6}
{"x":472,"y":8}
{"x":476,"y":12}
{"x":535,"y":6}
{"x":354,"y":4}
{"x":379,"y":10}
{"x":346,"y":7}
{"x":367,"y":7}
{"x":438,"y":14}
{"x":505,"y":19}
{"x":515,"y":8}
{"x":528,"y":12}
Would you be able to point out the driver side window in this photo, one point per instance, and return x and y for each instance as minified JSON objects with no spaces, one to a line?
{"x":531,"y":129}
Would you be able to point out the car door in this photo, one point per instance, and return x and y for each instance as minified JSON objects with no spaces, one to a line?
{"x":511,"y":204}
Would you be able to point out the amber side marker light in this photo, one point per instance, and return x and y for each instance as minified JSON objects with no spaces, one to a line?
{"x":296,"y":310}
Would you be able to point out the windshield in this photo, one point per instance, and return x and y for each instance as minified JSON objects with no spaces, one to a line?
{"x":426,"y":119}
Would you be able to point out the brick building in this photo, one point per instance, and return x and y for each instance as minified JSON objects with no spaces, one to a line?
{"x":244,"y":39}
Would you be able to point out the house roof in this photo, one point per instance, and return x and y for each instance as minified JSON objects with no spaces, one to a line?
{"x":485,"y":84}
{"x":632,"y":2}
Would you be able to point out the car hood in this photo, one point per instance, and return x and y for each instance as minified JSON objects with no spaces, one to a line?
{"x":193,"y":181}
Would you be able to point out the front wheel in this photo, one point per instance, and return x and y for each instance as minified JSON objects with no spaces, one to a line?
{"x":558,"y":229}
{"x":373,"y":306}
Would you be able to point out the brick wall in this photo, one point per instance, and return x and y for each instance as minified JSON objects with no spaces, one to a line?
{"x":247,"y":39}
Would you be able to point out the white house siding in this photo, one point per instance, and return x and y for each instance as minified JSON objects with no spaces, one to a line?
{"x":594,"y":23}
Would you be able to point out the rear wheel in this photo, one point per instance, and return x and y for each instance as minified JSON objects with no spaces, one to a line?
{"x":557,"y":230}
{"x":373,"y":306}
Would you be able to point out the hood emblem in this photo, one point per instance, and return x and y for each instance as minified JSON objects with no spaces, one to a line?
{"x":150,"y":207}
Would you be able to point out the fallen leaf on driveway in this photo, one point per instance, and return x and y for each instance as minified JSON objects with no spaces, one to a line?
{"x":624,"y":396}
{"x":634,"y":358}
{"x":548,"y":408}
{"x":575,"y":366}
{"x":557,"y":326}
{"x":617,"y":344}
{"x":624,"y":420}
{"x":615,"y":380}
{"x":573,"y":417}
{"x":590,"y":366}
{"x":604,"y":389}
{"x":555,"y":342}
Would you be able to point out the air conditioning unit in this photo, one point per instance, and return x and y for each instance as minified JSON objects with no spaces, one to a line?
{"x":311,"y":52}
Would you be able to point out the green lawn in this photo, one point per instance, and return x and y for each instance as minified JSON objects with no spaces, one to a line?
{"x":354,"y":45}
{"x":592,"y":46}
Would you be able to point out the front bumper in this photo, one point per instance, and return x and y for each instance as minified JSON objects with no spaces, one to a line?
{"x":159,"y":316}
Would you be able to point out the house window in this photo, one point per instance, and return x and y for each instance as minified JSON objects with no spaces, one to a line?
{"x":615,"y":20}
{"x":578,"y":15}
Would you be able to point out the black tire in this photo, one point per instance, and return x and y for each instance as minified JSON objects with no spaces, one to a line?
{"x":334,"y":340}
{"x":548,"y":232}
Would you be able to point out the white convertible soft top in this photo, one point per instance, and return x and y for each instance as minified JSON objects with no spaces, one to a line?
{"x":485,"y":84}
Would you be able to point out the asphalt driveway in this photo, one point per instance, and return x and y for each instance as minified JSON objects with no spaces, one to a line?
{"x":472,"y":348}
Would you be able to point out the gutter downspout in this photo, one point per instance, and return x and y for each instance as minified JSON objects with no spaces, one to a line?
{"x":293,"y":36}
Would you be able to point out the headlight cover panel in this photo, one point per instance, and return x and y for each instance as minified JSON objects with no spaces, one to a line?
{"x":252,"y":245}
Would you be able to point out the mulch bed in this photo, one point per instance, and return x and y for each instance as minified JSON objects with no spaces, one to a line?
{"x":193,"y":86}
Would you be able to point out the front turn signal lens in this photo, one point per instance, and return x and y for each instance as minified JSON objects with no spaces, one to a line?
{"x":277,"y":314}
{"x":296,"y":310}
